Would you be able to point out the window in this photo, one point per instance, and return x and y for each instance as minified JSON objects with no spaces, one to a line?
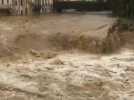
{"x":21,"y":12}
{"x":15,"y":2}
{"x":21,"y":2}
{"x":7,"y":1}
{"x":2,"y":1}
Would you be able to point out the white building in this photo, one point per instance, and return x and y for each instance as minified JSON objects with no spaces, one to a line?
{"x":44,"y":5}
{"x":21,"y":7}
{"x":26,"y":7}
{"x":5,"y":4}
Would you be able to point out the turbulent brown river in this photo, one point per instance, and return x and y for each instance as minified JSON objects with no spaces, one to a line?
{"x":51,"y":58}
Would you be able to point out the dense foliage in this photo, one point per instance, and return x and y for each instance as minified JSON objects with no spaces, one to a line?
{"x":123,"y":8}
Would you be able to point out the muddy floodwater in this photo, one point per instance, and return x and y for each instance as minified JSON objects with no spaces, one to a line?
{"x":59,"y":57}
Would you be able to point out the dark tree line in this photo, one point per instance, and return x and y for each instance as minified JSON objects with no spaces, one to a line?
{"x":123,"y":8}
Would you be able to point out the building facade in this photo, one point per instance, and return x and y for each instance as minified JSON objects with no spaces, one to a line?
{"x":21,"y":7}
{"x":26,"y":7}
{"x":5,"y":2}
{"x":42,"y":6}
